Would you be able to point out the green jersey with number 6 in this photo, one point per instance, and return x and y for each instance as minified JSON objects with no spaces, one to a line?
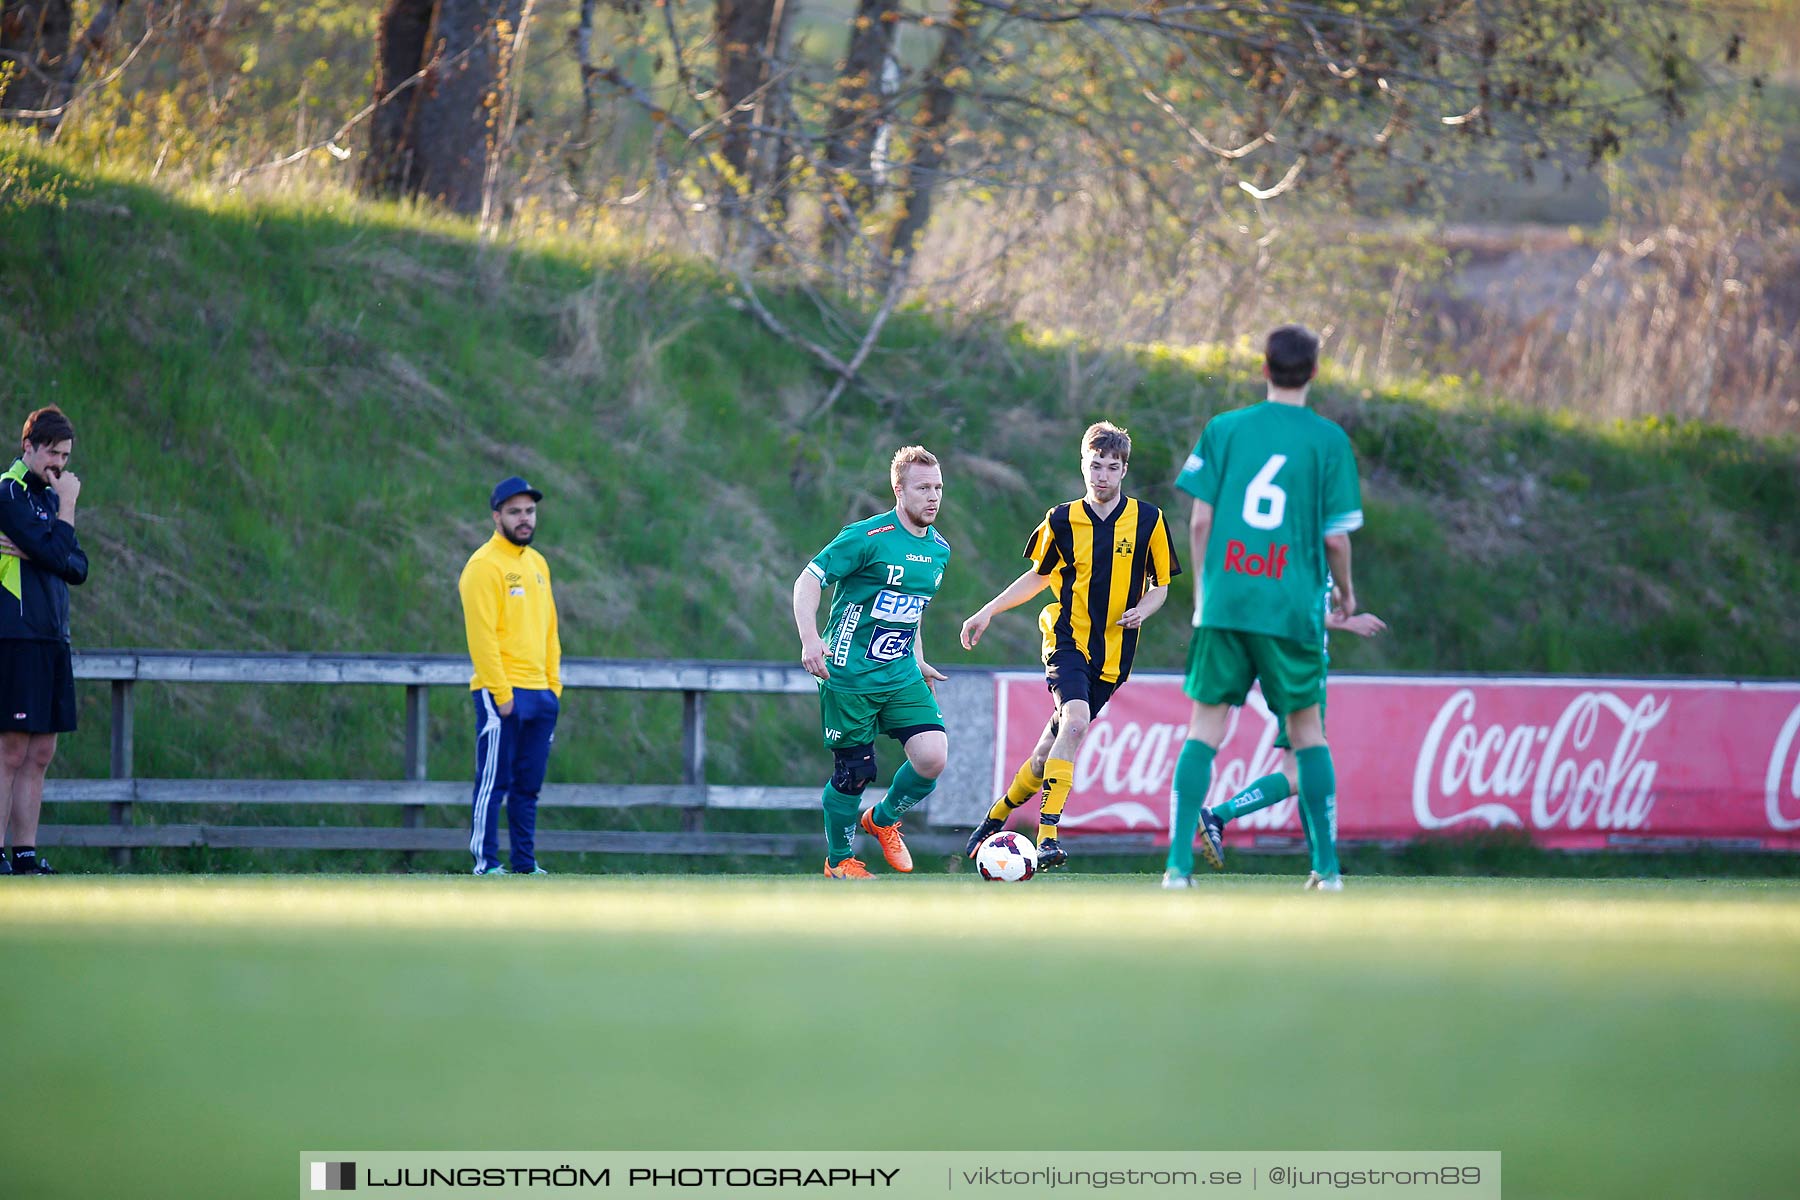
{"x":1280,"y":479}
{"x":885,"y":577}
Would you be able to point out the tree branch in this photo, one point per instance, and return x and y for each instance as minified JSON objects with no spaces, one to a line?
{"x":330,"y":143}
{"x":92,"y":38}
{"x":55,"y":112}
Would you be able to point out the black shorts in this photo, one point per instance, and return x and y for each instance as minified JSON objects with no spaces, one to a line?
{"x":1070,"y":676}
{"x":37,"y":687}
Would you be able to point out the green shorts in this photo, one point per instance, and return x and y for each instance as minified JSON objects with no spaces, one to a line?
{"x":855,"y":718}
{"x":1223,"y":663}
{"x":1281,"y":737}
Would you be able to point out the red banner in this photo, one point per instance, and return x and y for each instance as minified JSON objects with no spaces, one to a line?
{"x":1576,"y":764}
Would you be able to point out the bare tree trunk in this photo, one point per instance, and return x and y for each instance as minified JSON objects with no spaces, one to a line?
{"x":34,"y":49}
{"x":741,"y":30}
{"x":91,"y":40}
{"x":505,"y":118}
{"x":458,"y":119}
{"x":439,"y":143}
{"x":930,"y":137}
{"x":857,"y":114}
{"x":772,"y":162}
{"x":584,"y":58}
{"x":400,"y":43}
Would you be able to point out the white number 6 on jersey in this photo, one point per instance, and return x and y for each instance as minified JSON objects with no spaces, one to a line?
{"x":1264,"y":503}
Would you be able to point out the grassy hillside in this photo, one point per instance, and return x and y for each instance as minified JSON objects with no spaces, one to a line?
{"x":289,"y":414}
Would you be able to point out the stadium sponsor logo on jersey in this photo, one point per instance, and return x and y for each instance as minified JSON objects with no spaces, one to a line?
{"x":1269,"y":564}
{"x":840,"y":645}
{"x":898,"y":606}
{"x":888,"y":528}
{"x":924,"y":558}
{"x":890,"y":645}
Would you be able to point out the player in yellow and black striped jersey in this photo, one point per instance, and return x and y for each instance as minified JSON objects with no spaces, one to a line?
{"x":1107,"y":559}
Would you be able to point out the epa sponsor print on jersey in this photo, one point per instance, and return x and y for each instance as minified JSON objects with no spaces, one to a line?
{"x":899,"y":606}
{"x":890,"y":645}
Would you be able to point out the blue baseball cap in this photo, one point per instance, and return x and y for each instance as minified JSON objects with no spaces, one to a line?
{"x":509,"y":487}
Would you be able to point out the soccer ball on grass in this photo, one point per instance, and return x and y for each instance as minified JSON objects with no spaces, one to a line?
{"x":1007,"y":857}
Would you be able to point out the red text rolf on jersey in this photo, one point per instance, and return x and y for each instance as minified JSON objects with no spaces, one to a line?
{"x":1270,"y":564}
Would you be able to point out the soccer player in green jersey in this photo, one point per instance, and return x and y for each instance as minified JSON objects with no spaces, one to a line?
{"x":870,"y":664}
{"x":1275,"y":500}
{"x":1277,"y":786}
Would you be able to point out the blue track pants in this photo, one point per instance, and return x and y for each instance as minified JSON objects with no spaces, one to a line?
{"x":511,"y":753}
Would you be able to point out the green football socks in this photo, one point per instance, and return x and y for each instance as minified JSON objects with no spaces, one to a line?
{"x":1318,"y":795}
{"x":841,"y":812}
{"x":909,"y":787}
{"x":1270,"y":789}
{"x":1193,"y":775}
{"x":1306,"y":827}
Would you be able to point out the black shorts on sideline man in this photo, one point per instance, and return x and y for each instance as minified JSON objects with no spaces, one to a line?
{"x":37,"y":687}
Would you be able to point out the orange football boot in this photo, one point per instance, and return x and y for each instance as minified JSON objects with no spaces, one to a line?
{"x":892,"y":847}
{"x":850,"y":868}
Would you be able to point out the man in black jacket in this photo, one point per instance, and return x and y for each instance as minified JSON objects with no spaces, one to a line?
{"x":39,"y":559}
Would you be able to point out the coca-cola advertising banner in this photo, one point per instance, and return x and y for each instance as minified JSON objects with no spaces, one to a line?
{"x":1577,"y":764}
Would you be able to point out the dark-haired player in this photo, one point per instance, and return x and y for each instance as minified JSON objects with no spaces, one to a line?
{"x":1275,"y":500}
{"x":1107,"y":559}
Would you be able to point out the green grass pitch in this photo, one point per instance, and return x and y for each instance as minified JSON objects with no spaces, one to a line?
{"x":189,"y":1036}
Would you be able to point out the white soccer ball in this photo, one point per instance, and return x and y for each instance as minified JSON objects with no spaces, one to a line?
{"x":1007,"y":857}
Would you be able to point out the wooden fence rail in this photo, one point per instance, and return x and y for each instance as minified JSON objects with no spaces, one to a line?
{"x":413,"y":793}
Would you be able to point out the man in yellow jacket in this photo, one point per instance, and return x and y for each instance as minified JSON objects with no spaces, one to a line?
{"x":510,"y":616}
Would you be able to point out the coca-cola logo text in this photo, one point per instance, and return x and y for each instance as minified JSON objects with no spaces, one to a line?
{"x":1575,"y":776}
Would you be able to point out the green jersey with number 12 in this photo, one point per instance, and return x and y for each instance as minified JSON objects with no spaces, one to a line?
{"x":1280,"y":479}
{"x":885,"y":577}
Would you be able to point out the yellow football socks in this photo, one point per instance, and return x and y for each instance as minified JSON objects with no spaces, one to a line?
{"x":1026,"y":784}
{"x":1059,"y":777}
